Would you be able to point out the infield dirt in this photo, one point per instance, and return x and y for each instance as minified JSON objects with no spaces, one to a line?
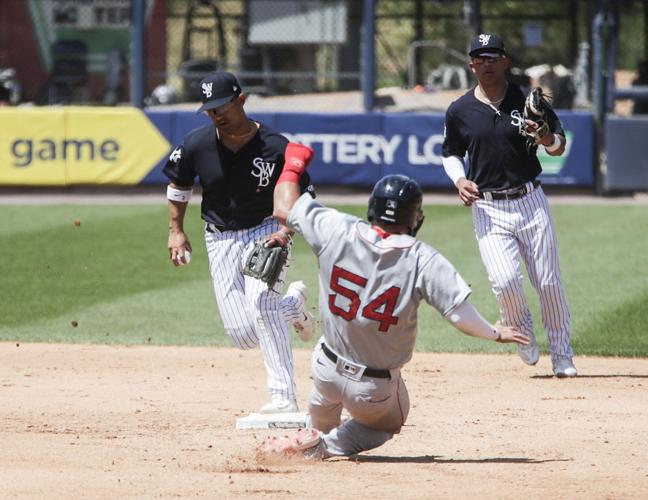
{"x":85,"y":421}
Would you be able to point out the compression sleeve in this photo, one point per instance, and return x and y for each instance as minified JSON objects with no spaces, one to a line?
{"x":454,"y":167}
{"x":467,"y":319}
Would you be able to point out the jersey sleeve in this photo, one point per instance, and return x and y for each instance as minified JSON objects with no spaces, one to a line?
{"x":179,"y":167}
{"x":440,"y":284}
{"x":315,"y":222}
{"x":452,"y":142}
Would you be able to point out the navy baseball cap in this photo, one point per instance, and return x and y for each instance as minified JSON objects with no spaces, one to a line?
{"x":217,"y":89}
{"x":487,"y":44}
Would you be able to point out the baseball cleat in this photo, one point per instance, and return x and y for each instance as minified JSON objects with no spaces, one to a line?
{"x":563,"y":367}
{"x":301,"y":442}
{"x":306,"y":325}
{"x":529,"y":353}
{"x":280,"y":406}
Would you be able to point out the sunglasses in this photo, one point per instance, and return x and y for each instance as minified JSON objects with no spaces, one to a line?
{"x":484,"y":59}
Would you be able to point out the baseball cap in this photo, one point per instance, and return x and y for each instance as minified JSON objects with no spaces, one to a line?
{"x":217,"y":89}
{"x":487,"y":44}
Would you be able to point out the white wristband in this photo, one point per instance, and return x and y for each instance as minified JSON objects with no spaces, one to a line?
{"x":174,"y":194}
{"x":555,"y":145}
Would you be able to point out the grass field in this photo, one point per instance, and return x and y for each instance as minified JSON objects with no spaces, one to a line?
{"x":111,"y":276}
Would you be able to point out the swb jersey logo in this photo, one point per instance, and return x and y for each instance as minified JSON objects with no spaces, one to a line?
{"x":263,"y":171}
{"x":517,"y":120}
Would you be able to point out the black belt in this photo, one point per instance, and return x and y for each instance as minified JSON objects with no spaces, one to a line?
{"x":510,"y":194}
{"x":369,"y":372}
{"x":213,"y":228}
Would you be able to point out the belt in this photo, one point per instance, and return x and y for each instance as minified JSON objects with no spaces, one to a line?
{"x":510,"y":194}
{"x":213,"y":228}
{"x":369,"y":372}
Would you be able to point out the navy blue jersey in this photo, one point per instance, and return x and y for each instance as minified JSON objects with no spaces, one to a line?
{"x":495,"y":141}
{"x":237,"y":186}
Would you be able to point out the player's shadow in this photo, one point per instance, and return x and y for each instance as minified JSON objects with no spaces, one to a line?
{"x":595,"y":375}
{"x":439,"y":460}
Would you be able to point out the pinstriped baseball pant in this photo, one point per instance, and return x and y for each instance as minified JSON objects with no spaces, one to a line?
{"x":251,"y":313}
{"x":506,"y":230}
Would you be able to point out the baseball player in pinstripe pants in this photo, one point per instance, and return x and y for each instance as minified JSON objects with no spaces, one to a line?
{"x":510,"y":211}
{"x":238,"y":162}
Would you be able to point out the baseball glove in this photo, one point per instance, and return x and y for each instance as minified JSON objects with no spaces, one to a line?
{"x":536,"y":108}
{"x":265,"y":263}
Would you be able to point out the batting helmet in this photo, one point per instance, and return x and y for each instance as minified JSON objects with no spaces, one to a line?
{"x":396,"y":199}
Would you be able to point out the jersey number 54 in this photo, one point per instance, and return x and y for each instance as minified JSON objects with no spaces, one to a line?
{"x":380,"y":309}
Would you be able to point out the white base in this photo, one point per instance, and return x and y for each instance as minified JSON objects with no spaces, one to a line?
{"x":272,"y":421}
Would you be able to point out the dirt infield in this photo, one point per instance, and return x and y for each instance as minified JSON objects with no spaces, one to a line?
{"x":80,"y":421}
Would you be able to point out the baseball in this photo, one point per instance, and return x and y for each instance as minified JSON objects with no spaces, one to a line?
{"x":187,"y":256}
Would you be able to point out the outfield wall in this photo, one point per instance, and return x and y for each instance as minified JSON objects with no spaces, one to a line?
{"x":64,"y":146}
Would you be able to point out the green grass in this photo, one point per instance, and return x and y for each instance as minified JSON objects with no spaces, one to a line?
{"x":112,"y":276}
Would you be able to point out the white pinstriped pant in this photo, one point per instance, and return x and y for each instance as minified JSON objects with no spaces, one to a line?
{"x":506,"y":229}
{"x":251,"y":313}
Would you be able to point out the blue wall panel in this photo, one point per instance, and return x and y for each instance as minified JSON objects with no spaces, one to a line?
{"x":356,"y":149}
{"x":346,"y":145}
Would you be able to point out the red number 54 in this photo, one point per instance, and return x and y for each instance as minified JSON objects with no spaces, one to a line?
{"x":386,"y":300}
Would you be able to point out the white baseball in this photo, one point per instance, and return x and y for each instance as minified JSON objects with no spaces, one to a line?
{"x":187,"y":256}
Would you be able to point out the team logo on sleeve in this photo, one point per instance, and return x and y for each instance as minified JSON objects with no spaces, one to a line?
{"x":176,"y":155}
{"x":207,"y":89}
{"x":263,"y":171}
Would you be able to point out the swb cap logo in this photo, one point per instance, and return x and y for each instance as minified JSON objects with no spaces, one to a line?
{"x":490,"y":43}
{"x":207,"y":89}
{"x":218,"y":88}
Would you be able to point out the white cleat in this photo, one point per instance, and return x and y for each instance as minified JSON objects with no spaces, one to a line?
{"x":563,"y":367}
{"x":280,"y":406}
{"x":306,"y":325}
{"x":529,"y":353}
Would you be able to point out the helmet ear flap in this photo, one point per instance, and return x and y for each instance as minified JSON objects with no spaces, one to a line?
{"x":419,"y":222}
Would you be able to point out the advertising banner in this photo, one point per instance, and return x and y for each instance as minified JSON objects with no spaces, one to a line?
{"x":81,"y":145}
{"x":357,"y":149}
{"x":59,"y":146}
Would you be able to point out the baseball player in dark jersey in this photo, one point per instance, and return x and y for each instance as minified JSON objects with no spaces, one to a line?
{"x":372,"y":278}
{"x":510,"y":211}
{"x":237,"y":162}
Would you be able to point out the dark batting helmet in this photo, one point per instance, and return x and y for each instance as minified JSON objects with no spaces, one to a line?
{"x":396,"y":199}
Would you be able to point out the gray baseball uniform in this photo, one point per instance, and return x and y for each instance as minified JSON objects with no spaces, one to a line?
{"x":371,"y":285}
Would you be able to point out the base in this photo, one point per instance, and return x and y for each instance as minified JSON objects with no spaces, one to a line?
{"x":272,"y":421}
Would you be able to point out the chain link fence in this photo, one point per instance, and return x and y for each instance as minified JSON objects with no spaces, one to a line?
{"x":77,"y":51}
